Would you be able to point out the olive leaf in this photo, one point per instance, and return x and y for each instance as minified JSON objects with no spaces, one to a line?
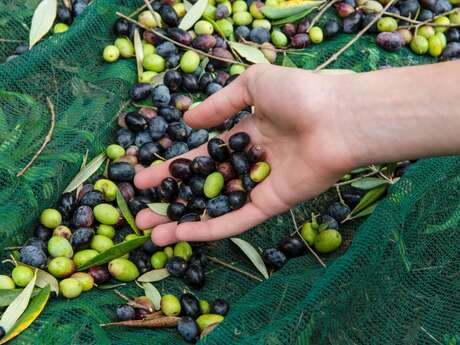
{"x":158,"y":79}
{"x":114,"y":252}
{"x":360,"y":170}
{"x":42,"y":21}
{"x":110,"y":286}
{"x":123,"y":206}
{"x":252,"y":254}
{"x":153,"y":294}
{"x":188,"y":5}
{"x":252,"y":54}
{"x":367,"y":211}
{"x":85,"y":173}
{"x":193,"y":15}
{"x":368,"y":199}
{"x":153,"y":276}
{"x":287,"y":62}
{"x":18,"y":306}
{"x":293,"y":18}
{"x":34,"y":309}
{"x":160,"y":208}
{"x":367,"y":183}
{"x":139,"y":51}
{"x":8,"y":295}
{"x":391,"y":168}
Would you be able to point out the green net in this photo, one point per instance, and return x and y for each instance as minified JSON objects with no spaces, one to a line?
{"x":396,"y":283}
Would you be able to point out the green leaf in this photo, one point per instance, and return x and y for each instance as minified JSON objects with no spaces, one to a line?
{"x":126,"y":212}
{"x":139,"y":54}
{"x":153,"y":294}
{"x":44,"y":279}
{"x":360,"y":170}
{"x":160,"y":208}
{"x":366,"y":212}
{"x":42,"y":21}
{"x":34,"y":309}
{"x":293,"y":18}
{"x":252,"y":254}
{"x":18,"y":306}
{"x":391,"y":168}
{"x":85,"y":173}
{"x":252,"y":54}
{"x":8,"y":295}
{"x":114,"y":252}
{"x":368,"y":199}
{"x":193,"y":15}
{"x":154,"y":276}
{"x":367,"y":183}
{"x":287,"y":62}
{"x":110,"y":286}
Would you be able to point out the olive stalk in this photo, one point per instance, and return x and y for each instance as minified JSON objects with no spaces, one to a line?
{"x":357,"y":36}
{"x":236,"y":269}
{"x":159,"y":34}
{"x":428,"y":22}
{"x":131,"y":302}
{"x":320,"y":14}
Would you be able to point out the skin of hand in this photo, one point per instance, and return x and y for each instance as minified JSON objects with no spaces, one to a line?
{"x":314,"y":129}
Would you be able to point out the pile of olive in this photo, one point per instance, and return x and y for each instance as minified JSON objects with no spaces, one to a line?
{"x":196,"y":315}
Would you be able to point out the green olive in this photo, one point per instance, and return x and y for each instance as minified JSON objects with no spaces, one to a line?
{"x":372,"y":6}
{"x":213,"y":184}
{"x":237,"y":69}
{"x":86,"y":280}
{"x":262,"y":23}
{"x":147,"y":76}
{"x":105,"y":230}
{"x":308,"y":233}
{"x":170,"y":305}
{"x":169,"y":251}
{"x":154,"y":62}
{"x":62,"y":231}
{"x":205,"y":320}
{"x":61,"y":267}
{"x":454,"y":17}
{"x":435,"y":46}
{"x":387,"y":24}
{"x":123,"y":270}
{"x":443,"y":39}
{"x":259,"y":171}
{"x":111,"y":53}
{"x":443,"y":20}
{"x":125,"y":46}
{"x":179,"y":8}
{"x":183,"y":249}
{"x":419,"y":45}
{"x":202,"y":27}
{"x":101,"y":243}
{"x":327,"y":241}
{"x":147,"y":19}
{"x":254,"y":9}
{"x":242,"y":18}
{"x":190,"y":61}
{"x":50,"y":218}
{"x":205,"y":307}
{"x":239,"y":6}
{"x":158,"y":260}
{"x":59,"y":246}
{"x":82,"y":257}
{"x":148,"y":48}
{"x":210,"y":12}
{"x":22,"y":275}
{"x":60,"y":27}
{"x":279,"y":39}
{"x":426,"y":31}
{"x":106,"y":214}
{"x":70,"y":288}
{"x":107,"y":188}
{"x":115,"y":151}
{"x":226,"y":26}
{"x":6,"y":283}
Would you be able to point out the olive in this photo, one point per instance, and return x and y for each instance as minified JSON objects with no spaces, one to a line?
{"x":222,"y":11}
{"x":338,"y":211}
{"x":259,"y":171}
{"x":329,"y":221}
{"x":81,"y":238}
{"x":168,"y":113}
{"x":64,"y":15}
{"x":149,"y":152}
{"x":406,"y":35}
{"x":82,"y":257}
{"x":435,"y":46}
{"x":242,"y":32}
{"x":110,"y":53}
{"x":147,"y":19}
{"x":121,"y":27}
{"x":157,"y":127}
{"x":182,"y":102}
{"x":259,"y":35}
{"x":240,"y":162}
{"x":183,"y":249}
{"x":7,"y":283}
{"x":61,"y":267}
{"x":451,"y":51}
{"x":141,"y":260}
{"x":124,"y":137}
{"x":220,"y":307}
{"x":352,"y":23}
{"x":180,"y":35}
{"x":254,"y":9}
{"x":59,"y":246}
{"x":125,"y":46}
{"x":390,"y":41}
{"x":237,"y":199}
{"x":185,"y":192}
{"x":92,"y":199}
{"x":125,"y":312}
{"x":115,"y":151}
{"x":155,"y":63}
{"x":168,"y":189}
{"x":173,"y":80}
{"x":222,"y":53}
{"x":331,"y":28}
{"x":218,"y":206}
{"x":161,"y":95}
{"x":38,"y":243}
{"x":327,"y":241}
{"x":189,"y":61}
{"x":204,"y":43}
{"x":85,"y":279}
{"x":274,"y":258}
{"x":226,"y":170}
{"x":101,"y":243}
{"x":239,"y":141}
{"x":78,"y":7}
{"x":197,"y":205}
{"x":344,"y":9}
{"x":235,"y":185}
{"x":83,"y":217}
{"x":123,"y":270}
{"x":176,"y":210}
{"x":50,"y":218}
{"x":70,"y":288}
{"x":189,"y":217}
{"x":213,"y":184}
{"x":137,"y":204}
{"x":442,"y":21}
{"x":168,"y":15}
{"x":206,"y":320}
{"x":100,"y":274}
{"x":175,"y":150}
{"x":135,"y":121}
{"x":202,"y":165}
{"x":442,"y":6}
{"x":426,"y":31}
{"x":152,"y":38}
{"x":194,"y":276}
{"x":453,"y":35}
{"x":178,"y":131}
{"x":387,"y":24}
{"x":292,"y":247}
{"x":67,"y":205}
{"x":158,"y":260}
{"x":170,"y":305}
{"x":289,"y":29}
{"x":300,"y":41}
{"x":425,"y":15}
{"x":189,"y":83}
{"x":42,"y":232}
{"x":176,"y":266}
{"x":190,"y":305}
{"x":196,"y":183}
{"x":218,"y":150}
{"x":106,"y":214}
{"x":180,"y":168}
{"x":308,"y":233}
{"x":367,"y":19}
{"x":33,"y":256}
{"x":197,"y":138}
{"x":107,"y":187}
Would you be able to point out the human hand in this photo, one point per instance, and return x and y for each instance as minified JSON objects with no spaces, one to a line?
{"x":293,"y":122}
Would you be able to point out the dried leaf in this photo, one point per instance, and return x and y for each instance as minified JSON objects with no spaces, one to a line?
{"x":193,"y":15}
{"x":252,"y":54}
{"x":35,"y":308}
{"x":287,"y":62}
{"x":160,"y":208}
{"x":154,"y":276}
{"x":86,"y":173}
{"x":42,"y":21}
{"x":252,"y":254}
{"x":335,"y":71}
{"x":153,"y":294}
{"x":139,"y":54}
{"x":123,"y":206}
{"x":8,"y":295}
{"x":110,"y":286}
{"x":45,"y":279}
{"x":18,"y":306}
{"x":368,"y":199}
{"x":367,"y":183}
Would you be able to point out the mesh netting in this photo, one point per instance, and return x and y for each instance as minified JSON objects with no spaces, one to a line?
{"x":397,"y":283}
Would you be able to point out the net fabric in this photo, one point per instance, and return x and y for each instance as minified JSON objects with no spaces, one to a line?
{"x":396,"y":283}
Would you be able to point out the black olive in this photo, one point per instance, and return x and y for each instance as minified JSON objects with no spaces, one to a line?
{"x":218,"y":150}
{"x":149,"y":152}
{"x":135,"y":121}
{"x":168,"y":189}
{"x":203,"y":165}
{"x":176,"y":210}
{"x":121,"y":172}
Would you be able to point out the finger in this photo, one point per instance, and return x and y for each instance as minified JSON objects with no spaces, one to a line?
{"x":230,"y":224}
{"x":221,"y":105}
{"x":146,"y":218}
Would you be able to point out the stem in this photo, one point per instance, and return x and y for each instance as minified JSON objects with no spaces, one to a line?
{"x":6,"y":40}
{"x":159,"y":34}
{"x":47,"y":138}
{"x":426,"y":22}
{"x":147,"y":3}
{"x":350,"y":43}
{"x":139,"y":10}
{"x":162,"y":322}
{"x":131,"y":302}
{"x":236,"y":269}
{"x":339,"y":194}
{"x":320,"y":14}
{"x":305,"y":242}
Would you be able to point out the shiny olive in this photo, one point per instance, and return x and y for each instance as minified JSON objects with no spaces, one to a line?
{"x":180,"y":35}
{"x":149,"y":152}
{"x":83,"y":217}
{"x":202,"y":165}
{"x":218,"y":150}
{"x":180,"y":168}
{"x":121,"y":172}
{"x":300,"y":41}
{"x":292,"y":247}
{"x":168,"y":15}
{"x":204,"y":42}
{"x":194,"y":276}
{"x":226,"y":170}
{"x":196,"y":183}
{"x":218,"y":206}
{"x":173,"y":80}
{"x":175,"y":150}
{"x":237,"y":199}
{"x":168,"y":189}
{"x":100,"y":274}
{"x":176,"y":266}
{"x":170,"y":305}
{"x":189,"y":83}
{"x":189,"y":217}
{"x":176,"y":210}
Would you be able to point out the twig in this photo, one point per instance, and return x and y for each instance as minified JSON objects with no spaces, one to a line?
{"x":6,"y":40}
{"x":159,"y":34}
{"x":163,"y":322}
{"x":47,"y":138}
{"x":357,"y":36}
{"x":428,"y":22}
{"x":236,"y":269}
{"x":131,"y":302}
{"x":139,"y":10}
{"x":320,"y":14}
{"x":339,"y":194}
{"x":12,"y":248}
{"x":430,"y":335}
{"x":305,"y":242}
